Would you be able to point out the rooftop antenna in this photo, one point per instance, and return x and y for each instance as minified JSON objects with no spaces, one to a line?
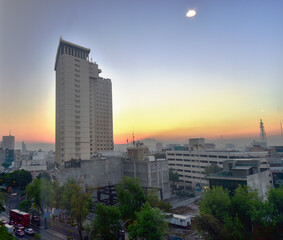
{"x":134,"y":143}
{"x":10,"y":132}
{"x":262,"y":131}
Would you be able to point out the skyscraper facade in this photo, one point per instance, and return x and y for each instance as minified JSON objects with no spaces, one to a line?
{"x":24,"y":147}
{"x":8,"y":142}
{"x":84,"y":122}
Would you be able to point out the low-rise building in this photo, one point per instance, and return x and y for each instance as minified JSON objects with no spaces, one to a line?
{"x":34,"y":165}
{"x":190,"y":164}
{"x":235,"y":172}
{"x":108,"y":168}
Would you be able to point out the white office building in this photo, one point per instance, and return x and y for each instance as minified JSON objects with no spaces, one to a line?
{"x":190,"y":165}
{"x":84,"y":123}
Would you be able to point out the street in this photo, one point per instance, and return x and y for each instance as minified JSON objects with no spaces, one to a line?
{"x":55,"y":229}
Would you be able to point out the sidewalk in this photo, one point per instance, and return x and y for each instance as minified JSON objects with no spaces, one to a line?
{"x":57,"y":234}
{"x":67,"y":229}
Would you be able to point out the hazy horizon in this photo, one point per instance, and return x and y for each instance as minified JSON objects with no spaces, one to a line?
{"x":220,"y":143}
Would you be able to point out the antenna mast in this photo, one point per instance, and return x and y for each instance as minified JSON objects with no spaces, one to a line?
{"x":262,"y":131}
{"x":134,"y":142}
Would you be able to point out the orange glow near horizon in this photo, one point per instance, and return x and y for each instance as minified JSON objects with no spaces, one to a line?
{"x":180,"y":118}
{"x":39,"y":126}
{"x":39,"y":129}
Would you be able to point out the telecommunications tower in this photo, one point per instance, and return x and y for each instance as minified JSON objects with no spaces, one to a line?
{"x":262,"y":132}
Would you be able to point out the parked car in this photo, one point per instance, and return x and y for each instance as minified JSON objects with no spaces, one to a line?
{"x":4,"y":221}
{"x":19,"y":227}
{"x":20,"y":233}
{"x":29,"y":231}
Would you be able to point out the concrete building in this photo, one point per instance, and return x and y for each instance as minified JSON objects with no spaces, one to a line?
{"x":24,"y":147}
{"x":8,"y":142}
{"x":190,"y":165}
{"x":34,"y":165}
{"x":84,"y":122}
{"x":108,"y":168}
{"x":262,"y":182}
{"x":152,"y":172}
{"x":159,"y":147}
{"x":17,"y":158}
{"x":35,"y":162}
{"x":10,"y":155}
{"x":138,"y":152}
{"x":2,"y":156}
{"x":98,"y":172}
{"x":235,"y":173}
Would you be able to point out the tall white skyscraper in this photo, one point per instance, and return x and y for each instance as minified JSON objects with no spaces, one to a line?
{"x":84,"y":123}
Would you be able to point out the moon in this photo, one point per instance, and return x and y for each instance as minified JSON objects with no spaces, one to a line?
{"x":191,"y":13}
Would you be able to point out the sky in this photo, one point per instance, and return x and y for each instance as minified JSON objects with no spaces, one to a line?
{"x":173,"y":78}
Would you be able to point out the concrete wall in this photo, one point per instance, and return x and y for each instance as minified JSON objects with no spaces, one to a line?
{"x":103,"y":171}
{"x":32,"y":168}
{"x":261,"y":182}
{"x":150,"y":174}
{"x":93,"y":173}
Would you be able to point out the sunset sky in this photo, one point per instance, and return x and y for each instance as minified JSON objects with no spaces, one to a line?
{"x":215,"y":74}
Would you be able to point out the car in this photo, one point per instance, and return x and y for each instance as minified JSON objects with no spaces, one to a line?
{"x":29,"y":231}
{"x":19,"y":226}
{"x":3,"y":221}
{"x":36,"y":218}
{"x":20,"y":233}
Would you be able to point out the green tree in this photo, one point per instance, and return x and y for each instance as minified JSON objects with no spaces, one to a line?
{"x":6,"y":164}
{"x":216,"y":202}
{"x":40,"y":193}
{"x":4,"y":234}
{"x":3,"y":199}
{"x":81,"y":204}
{"x":19,"y":178}
{"x":275,"y":199}
{"x":173,"y":176}
{"x":246,"y":206}
{"x":210,"y":227}
{"x":67,"y":192}
{"x":154,"y":201}
{"x":44,"y":175}
{"x":57,"y":195}
{"x":130,"y":196}
{"x":271,"y":225}
{"x":244,"y":215}
{"x":213,"y":168}
{"x":25,"y":205}
{"x":150,"y":224}
{"x":106,"y":225}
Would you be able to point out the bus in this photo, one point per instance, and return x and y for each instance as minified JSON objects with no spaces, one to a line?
{"x":19,"y":217}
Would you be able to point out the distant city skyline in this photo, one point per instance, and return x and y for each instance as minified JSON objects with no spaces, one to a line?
{"x":215,"y":74}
